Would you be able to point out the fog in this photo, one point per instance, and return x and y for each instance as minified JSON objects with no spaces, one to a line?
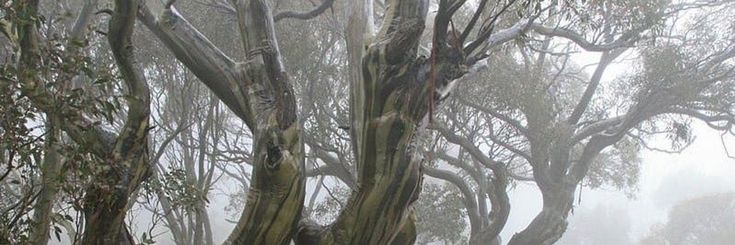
{"x":518,"y":122}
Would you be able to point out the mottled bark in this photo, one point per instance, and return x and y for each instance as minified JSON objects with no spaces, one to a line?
{"x":276,"y":194}
{"x":259,"y":92}
{"x":388,"y":105}
{"x":392,"y":92}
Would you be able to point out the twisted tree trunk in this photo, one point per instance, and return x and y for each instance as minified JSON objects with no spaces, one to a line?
{"x":392,"y":92}
{"x":126,"y":165}
{"x":549,"y":225}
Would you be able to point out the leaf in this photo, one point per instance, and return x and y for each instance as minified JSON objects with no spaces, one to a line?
{"x":57,"y":232}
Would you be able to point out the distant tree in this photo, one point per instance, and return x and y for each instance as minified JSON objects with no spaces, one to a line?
{"x":704,"y":220}
{"x":543,"y":119}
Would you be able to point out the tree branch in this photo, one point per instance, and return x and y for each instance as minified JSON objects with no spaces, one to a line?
{"x":597,"y":127}
{"x":623,"y":42}
{"x":326,"y":4}
{"x":82,"y":130}
{"x":514,"y":123}
{"x":398,"y":38}
{"x":266,"y":68}
{"x":215,"y":69}
{"x":499,"y":38}
{"x":288,"y":14}
{"x":584,"y":101}
{"x":468,"y":196}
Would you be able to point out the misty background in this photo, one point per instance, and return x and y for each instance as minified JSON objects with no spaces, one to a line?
{"x":667,"y":178}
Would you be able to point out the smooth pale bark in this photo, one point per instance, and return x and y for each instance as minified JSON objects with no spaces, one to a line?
{"x":52,"y":163}
{"x":50,"y":176}
{"x":486,"y":228}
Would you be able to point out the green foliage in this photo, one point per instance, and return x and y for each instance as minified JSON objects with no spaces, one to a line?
{"x":441,"y":215}
{"x":178,"y":189}
{"x":617,"y":168}
{"x":326,"y":211}
{"x":64,"y":65}
{"x":609,"y":16}
{"x":21,"y":151}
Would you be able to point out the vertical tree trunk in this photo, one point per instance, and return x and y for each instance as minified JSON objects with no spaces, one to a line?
{"x":126,"y":166}
{"x":276,"y":194}
{"x":105,"y":210}
{"x":389,"y":102}
{"x":50,"y":176}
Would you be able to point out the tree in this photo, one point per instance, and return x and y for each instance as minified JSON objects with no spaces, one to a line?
{"x":120,"y":157}
{"x":393,"y":91}
{"x":536,"y":120}
{"x":703,"y":220}
{"x":562,"y":134}
{"x":528,"y":116}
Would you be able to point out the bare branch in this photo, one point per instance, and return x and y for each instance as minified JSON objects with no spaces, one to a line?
{"x":605,"y":60}
{"x":487,"y":29}
{"x":499,"y":38}
{"x":226,"y":8}
{"x":597,"y":127}
{"x":215,"y":69}
{"x":473,"y":20}
{"x":472,"y":149}
{"x":726,"y":118}
{"x":623,"y":42}
{"x":326,"y":4}
{"x":468,"y":197}
{"x":724,"y":146}
{"x":515,"y":123}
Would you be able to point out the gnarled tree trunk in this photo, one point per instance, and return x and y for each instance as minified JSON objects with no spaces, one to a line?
{"x":126,"y":165}
{"x":392,"y":92}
